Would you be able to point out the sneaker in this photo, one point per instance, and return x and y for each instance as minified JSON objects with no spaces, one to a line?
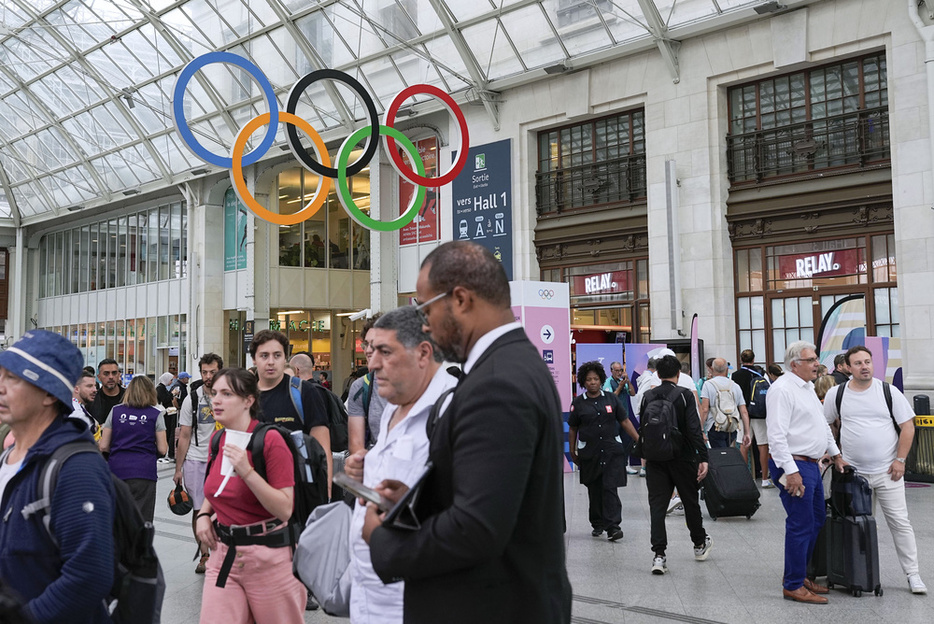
{"x":202,"y":564}
{"x":614,"y":534}
{"x":673,"y":504}
{"x":767,"y":484}
{"x":597,"y":532}
{"x":659,"y":564}
{"x":701,"y":552}
{"x":163,"y":460}
{"x":679,"y":511}
{"x":916,"y":585}
{"x":642,"y":471}
{"x":632,"y":470}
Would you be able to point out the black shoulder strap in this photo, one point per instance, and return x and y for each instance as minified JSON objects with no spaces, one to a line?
{"x":215,"y":449}
{"x":257,"y":445}
{"x":838,"y":400}
{"x":48,"y":477}
{"x":435,"y":414}
{"x":887,"y":393}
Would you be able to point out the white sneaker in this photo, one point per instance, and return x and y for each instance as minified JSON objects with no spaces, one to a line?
{"x":916,"y":585}
{"x":701,"y":553}
{"x":632,"y":470}
{"x":659,"y":565}
{"x":679,"y":511}
{"x":767,"y":484}
{"x":642,"y":471}
{"x":673,"y":504}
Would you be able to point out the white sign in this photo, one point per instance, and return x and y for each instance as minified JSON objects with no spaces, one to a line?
{"x":548,"y":334}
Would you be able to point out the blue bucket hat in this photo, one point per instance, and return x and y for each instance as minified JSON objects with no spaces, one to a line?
{"x":46,"y":360}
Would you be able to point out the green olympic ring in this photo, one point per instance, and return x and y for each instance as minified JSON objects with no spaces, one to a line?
{"x":346,"y":199}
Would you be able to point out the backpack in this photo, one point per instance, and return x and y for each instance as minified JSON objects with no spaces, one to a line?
{"x":725,"y":414}
{"x":758,"y":388}
{"x":660,"y":437}
{"x":138,"y":587}
{"x":310,"y":468}
{"x":337,"y":413}
{"x":886,"y":392}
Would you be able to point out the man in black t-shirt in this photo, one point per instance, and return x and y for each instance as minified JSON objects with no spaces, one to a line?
{"x":268,"y":351}
{"x":111,"y":392}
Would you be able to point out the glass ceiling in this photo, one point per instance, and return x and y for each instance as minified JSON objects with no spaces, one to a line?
{"x":86,"y":85}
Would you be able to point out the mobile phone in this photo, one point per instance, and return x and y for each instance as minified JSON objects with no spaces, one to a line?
{"x":782,"y":479}
{"x":361,"y":491}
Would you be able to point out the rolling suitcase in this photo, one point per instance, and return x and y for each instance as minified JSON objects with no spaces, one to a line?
{"x":817,"y":566}
{"x":853,"y":554}
{"x":728,"y":488}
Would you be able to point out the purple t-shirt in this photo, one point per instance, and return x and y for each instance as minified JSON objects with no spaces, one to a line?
{"x":133,"y":452}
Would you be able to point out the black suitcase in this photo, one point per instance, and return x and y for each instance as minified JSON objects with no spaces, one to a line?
{"x":728,"y":488}
{"x":853,"y":554}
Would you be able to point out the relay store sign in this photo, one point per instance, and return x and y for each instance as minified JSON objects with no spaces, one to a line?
{"x":600,"y":284}
{"x":827,"y":264}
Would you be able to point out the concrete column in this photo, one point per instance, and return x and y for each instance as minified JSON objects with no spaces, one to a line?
{"x":384,"y":199}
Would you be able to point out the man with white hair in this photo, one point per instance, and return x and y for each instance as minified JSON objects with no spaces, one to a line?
{"x":798,"y":438}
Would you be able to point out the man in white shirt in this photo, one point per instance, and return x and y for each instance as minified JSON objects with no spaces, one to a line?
{"x":410,"y":377}
{"x":798,"y":437}
{"x":710,"y":408}
{"x":870,"y":443}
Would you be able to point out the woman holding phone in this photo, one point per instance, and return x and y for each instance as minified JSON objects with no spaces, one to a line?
{"x":245,"y":522}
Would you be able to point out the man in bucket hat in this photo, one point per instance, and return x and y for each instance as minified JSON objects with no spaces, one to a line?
{"x":65,"y":580}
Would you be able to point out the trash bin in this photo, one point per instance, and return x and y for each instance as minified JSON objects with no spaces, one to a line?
{"x":920,"y":463}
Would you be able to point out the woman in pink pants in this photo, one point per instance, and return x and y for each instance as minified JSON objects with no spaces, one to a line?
{"x":249,"y":575}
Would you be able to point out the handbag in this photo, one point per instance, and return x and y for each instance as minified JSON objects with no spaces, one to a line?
{"x":322,"y":557}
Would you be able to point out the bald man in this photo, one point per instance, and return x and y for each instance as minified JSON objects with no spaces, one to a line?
{"x":303,"y":366}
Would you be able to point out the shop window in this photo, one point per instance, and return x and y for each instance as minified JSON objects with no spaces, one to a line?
{"x":601,"y":162}
{"x":792,"y":319}
{"x":750,"y":322}
{"x":830,"y":116}
{"x":885,"y":304}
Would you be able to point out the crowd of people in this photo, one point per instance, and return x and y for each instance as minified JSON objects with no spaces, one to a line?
{"x":429,"y":438}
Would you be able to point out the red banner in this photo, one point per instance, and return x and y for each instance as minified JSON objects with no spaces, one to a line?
{"x":820,"y":264}
{"x":424,"y":227}
{"x":608,"y":283}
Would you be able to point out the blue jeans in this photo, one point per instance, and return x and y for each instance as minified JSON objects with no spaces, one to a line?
{"x":721,"y":439}
{"x":805,"y":517}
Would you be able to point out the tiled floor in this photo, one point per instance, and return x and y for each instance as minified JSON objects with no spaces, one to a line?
{"x":739,"y":583}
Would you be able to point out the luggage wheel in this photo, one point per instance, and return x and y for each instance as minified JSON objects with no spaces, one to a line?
{"x":829,"y":585}
{"x":749,"y":516}
{"x":857,"y":593}
{"x":878,"y":591}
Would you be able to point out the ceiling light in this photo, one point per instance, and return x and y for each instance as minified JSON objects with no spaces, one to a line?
{"x":129,"y":192}
{"x":74,"y":208}
{"x":290,"y":312}
{"x":199,"y":171}
{"x":769,"y":7}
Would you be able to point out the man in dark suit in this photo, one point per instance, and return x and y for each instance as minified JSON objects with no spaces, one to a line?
{"x":490,"y":547}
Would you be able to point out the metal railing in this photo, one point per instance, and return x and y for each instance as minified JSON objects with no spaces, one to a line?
{"x":850,"y":140}
{"x":620,"y":180}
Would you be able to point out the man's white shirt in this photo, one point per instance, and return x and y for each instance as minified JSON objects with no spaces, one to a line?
{"x":867,"y":434}
{"x":795,"y":419}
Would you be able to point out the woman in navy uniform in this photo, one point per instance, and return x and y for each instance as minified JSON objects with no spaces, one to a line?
{"x":597,"y":449}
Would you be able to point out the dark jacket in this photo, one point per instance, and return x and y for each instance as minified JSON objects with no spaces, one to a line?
{"x":597,"y":421}
{"x":67,"y":583}
{"x":102,"y":404}
{"x":693,"y":447}
{"x":491,"y":545}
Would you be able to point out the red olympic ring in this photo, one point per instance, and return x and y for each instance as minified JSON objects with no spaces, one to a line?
{"x":399,"y":163}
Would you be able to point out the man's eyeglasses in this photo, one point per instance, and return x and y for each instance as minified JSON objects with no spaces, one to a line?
{"x":809,"y":360}
{"x":420,"y":307}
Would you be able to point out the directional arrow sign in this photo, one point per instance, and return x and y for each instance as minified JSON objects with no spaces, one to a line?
{"x":547,"y":334}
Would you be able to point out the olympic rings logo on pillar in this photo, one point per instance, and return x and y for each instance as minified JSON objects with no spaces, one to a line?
{"x":322,"y":166}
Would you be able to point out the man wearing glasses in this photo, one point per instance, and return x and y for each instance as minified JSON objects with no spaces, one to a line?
{"x":618,"y":382}
{"x":798,"y":437}
{"x":490,"y":547}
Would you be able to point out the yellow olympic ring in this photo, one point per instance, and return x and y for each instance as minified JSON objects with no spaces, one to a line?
{"x":236,"y":170}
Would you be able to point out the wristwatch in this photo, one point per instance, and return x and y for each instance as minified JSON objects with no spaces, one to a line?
{"x":900,"y":459}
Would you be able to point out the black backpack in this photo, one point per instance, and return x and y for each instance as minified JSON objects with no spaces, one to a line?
{"x":138,"y":587}
{"x":758,"y":388}
{"x":337,"y":413}
{"x":660,"y":437}
{"x":310,"y":468}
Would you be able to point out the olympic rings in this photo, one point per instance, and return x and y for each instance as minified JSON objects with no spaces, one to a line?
{"x":346,"y":199}
{"x":321,"y":166}
{"x":292,"y":106}
{"x":178,"y":108}
{"x":546,"y":294}
{"x":236,"y":171}
{"x":397,"y":162}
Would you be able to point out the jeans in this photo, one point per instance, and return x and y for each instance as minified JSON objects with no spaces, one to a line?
{"x":805,"y":517}
{"x":891,"y":497}
{"x":661,"y":478}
